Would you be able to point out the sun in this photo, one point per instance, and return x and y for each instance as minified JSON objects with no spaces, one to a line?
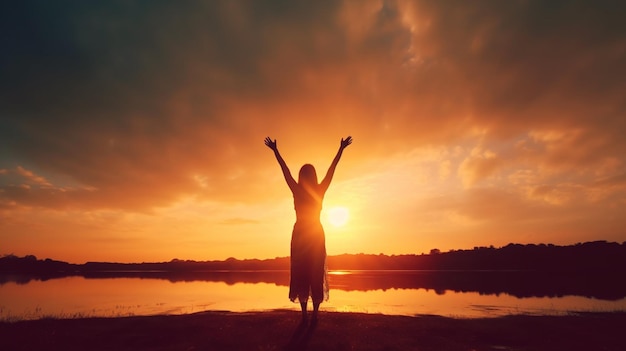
{"x":338,"y":216}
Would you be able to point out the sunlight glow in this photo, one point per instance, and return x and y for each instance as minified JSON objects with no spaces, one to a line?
{"x":338,"y":216}
{"x":339,"y":272}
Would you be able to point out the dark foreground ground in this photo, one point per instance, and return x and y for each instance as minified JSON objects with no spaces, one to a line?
{"x":278,"y":330}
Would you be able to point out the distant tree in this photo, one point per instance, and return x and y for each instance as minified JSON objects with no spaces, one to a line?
{"x":435,"y":251}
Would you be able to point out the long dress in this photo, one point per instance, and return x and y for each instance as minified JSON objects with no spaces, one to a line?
{"x":308,"y":248}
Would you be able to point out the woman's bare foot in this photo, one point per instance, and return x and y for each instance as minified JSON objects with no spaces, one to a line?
{"x":305,"y":317}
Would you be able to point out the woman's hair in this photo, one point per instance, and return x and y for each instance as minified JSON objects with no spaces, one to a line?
{"x":307,"y":175}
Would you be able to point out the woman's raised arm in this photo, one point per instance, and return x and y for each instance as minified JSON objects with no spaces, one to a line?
{"x":331,"y":170}
{"x":283,"y":166}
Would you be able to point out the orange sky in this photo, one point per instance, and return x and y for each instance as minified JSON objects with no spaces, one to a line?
{"x":134,"y":132}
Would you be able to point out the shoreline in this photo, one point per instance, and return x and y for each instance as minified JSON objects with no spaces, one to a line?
{"x":279,"y":330}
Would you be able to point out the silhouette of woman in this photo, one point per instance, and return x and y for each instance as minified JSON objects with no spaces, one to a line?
{"x":308,"y":247}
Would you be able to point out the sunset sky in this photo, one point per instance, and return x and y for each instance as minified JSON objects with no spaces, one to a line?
{"x":133,"y":131}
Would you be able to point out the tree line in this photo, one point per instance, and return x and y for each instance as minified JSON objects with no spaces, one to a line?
{"x":588,"y":256}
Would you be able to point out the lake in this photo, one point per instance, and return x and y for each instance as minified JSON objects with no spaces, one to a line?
{"x":456,"y":294}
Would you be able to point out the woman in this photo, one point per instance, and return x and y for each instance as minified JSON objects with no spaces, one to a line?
{"x":308,"y":248}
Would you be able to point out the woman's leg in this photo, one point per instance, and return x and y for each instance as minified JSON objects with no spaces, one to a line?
{"x":316,"y":307}
{"x":303,"y":303}
{"x":318,"y":272}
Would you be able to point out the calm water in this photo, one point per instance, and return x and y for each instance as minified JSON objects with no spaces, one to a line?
{"x":460,"y":294}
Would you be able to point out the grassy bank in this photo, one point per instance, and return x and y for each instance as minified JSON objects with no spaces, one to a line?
{"x":279,"y":330}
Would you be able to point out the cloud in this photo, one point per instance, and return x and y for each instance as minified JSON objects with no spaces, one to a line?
{"x":138,"y":106}
{"x":21,"y":176}
{"x":478,"y":165}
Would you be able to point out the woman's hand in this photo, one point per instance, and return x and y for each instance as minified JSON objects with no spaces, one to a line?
{"x":344,"y":143}
{"x":272,"y":144}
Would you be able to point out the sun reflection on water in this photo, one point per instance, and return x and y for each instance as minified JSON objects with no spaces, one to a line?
{"x":339,"y":272}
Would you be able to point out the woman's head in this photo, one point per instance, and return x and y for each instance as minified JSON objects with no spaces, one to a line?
{"x":307,"y":175}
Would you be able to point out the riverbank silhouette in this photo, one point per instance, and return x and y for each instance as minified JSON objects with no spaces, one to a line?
{"x":597,"y":273}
